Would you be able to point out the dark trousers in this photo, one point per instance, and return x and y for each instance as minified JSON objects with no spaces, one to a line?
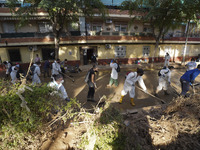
{"x":62,"y":70}
{"x":91,"y":91}
{"x":185,"y":86}
{"x":46,"y":72}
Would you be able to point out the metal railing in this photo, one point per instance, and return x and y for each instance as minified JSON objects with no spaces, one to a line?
{"x":93,"y":33}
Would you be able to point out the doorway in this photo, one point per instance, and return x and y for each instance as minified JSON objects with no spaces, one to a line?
{"x":86,"y":54}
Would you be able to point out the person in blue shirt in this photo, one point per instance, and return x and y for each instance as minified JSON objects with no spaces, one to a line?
{"x":187,"y":79}
{"x":46,"y":68}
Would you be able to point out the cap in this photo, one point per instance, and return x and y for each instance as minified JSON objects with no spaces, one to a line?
{"x":140,"y":71}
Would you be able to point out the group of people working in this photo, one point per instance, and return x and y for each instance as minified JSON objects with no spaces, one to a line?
{"x":164,"y":79}
{"x":58,"y":68}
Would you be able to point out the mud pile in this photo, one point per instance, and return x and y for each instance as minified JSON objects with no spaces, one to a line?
{"x":172,"y":126}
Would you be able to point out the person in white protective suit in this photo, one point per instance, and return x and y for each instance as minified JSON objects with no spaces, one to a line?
{"x":7,"y":66}
{"x":191,"y":65}
{"x":13,"y":73}
{"x":164,"y":79}
{"x":129,"y":85}
{"x":59,"y":88}
{"x":114,"y":74}
{"x":36,"y":74}
{"x":167,"y":59}
{"x":56,"y":68}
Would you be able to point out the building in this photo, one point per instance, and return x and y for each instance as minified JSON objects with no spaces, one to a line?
{"x":113,"y":38}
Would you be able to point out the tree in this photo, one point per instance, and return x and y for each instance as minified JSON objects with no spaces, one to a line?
{"x":190,"y":10}
{"x":162,"y":15}
{"x":60,"y":13}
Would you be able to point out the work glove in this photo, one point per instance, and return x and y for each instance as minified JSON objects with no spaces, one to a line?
{"x":192,"y":81}
{"x":112,"y":61}
{"x":169,"y":82}
{"x":163,"y":75}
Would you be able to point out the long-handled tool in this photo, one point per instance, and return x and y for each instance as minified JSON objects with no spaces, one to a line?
{"x":174,"y":90}
{"x":195,"y":84}
{"x":162,"y":101}
{"x":65,"y":75}
{"x":193,"y":88}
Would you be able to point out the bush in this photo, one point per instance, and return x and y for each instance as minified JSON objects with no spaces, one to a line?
{"x":19,"y":127}
{"x":105,"y":131}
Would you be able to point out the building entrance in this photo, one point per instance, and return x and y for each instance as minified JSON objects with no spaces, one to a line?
{"x":86,"y":54}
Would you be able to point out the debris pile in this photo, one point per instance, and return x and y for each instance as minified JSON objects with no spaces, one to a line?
{"x":173,"y":126}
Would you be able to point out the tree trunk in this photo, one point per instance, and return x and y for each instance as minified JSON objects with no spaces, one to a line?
{"x":155,"y":49}
{"x":57,"y":45}
{"x":186,"y":40}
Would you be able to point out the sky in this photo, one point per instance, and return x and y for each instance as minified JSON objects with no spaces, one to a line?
{"x":115,"y":2}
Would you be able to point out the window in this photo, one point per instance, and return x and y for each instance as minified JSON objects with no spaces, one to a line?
{"x":8,"y":27}
{"x":146,"y":50}
{"x":14,"y":55}
{"x":147,"y":29}
{"x":122,"y":28}
{"x":96,"y":28}
{"x":120,"y":51}
{"x":45,"y":27}
{"x":48,"y":53}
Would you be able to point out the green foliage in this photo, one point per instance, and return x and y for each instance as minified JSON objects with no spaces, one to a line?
{"x":61,"y":13}
{"x":18,"y":126}
{"x":106,"y":131}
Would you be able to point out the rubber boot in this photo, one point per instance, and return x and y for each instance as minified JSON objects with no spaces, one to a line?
{"x":132,"y":103}
{"x":166,"y":93}
{"x":120,"y":101}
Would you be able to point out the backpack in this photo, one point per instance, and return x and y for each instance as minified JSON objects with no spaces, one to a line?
{"x":32,"y":69}
{"x":10,"y":69}
{"x":118,"y":68}
{"x":127,"y":74}
{"x":159,"y":74}
{"x":87,"y":76}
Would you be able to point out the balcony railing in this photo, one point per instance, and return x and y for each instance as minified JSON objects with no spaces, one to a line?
{"x":93,"y":33}
{"x":104,"y":33}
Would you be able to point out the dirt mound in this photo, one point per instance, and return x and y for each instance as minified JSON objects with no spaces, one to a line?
{"x":173,"y":126}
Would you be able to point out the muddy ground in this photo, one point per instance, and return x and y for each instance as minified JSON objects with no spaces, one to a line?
{"x":79,"y":89}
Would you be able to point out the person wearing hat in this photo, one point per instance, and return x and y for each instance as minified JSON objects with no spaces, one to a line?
{"x":13,"y":73}
{"x":91,"y":83}
{"x":191,"y":65}
{"x":167,"y":59}
{"x":129,"y":85}
{"x":114,"y":74}
{"x":36,"y":74}
{"x":164,"y":78}
{"x":57,"y":84}
{"x":187,"y":79}
{"x":7,"y":66}
{"x":56,"y":68}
